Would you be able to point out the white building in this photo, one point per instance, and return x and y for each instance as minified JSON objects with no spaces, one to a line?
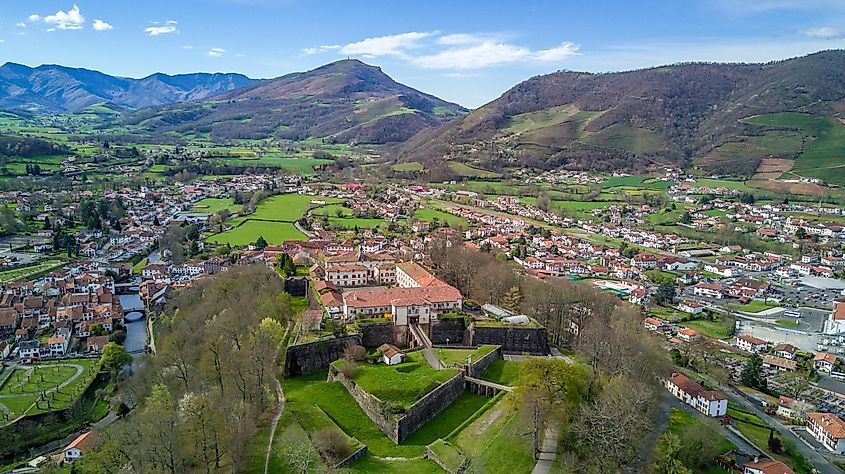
{"x":683,"y":388}
{"x":828,"y":429}
{"x":751,"y":344}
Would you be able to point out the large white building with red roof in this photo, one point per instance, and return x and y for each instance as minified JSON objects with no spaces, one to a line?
{"x":419,"y":305}
{"x":828,"y":429}
{"x":835,"y":323}
{"x":683,"y":388}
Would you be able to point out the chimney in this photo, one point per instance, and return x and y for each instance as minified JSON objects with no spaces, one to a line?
{"x":756,"y":459}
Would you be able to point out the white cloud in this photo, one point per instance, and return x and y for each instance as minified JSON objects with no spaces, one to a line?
{"x":34,"y":17}
{"x":2,"y":41}
{"x":69,"y":20}
{"x":321,"y":49}
{"x":216,"y":52}
{"x":20,"y":24}
{"x":823,"y":32}
{"x":391,"y":45}
{"x":187,"y":46}
{"x":169,"y":27}
{"x":100,"y":25}
{"x":490,"y":53}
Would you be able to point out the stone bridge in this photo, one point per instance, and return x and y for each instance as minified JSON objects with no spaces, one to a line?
{"x":483,"y":387}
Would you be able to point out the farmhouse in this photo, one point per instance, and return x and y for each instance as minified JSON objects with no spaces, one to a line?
{"x":688,"y":334}
{"x":828,"y":429}
{"x":689,"y":306}
{"x":766,"y":466}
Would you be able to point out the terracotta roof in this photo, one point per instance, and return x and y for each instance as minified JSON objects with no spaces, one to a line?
{"x":688,"y":332}
{"x":754,"y":341}
{"x":82,"y":441}
{"x":838,"y":310}
{"x":419,"y":274}
{"x":786,"y":347}
{"x":401,"y":296}
{"x":770,"y":466}
{"x":830,"y":422}
{"x":825,"y":356}
{"x":779,"y":362}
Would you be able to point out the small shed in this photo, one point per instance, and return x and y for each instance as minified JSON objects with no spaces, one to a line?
{"x":391,"y":355}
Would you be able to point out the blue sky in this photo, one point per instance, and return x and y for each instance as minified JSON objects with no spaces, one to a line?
{"x":468,"y":52}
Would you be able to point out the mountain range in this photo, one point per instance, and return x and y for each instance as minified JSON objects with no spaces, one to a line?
{"x":722,"y":117}
{"x":746,"y":119}
{"x":344,"y":101}
{"x":52,"y":88}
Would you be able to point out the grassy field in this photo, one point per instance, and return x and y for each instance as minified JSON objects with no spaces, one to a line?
{"x":720,"y":329}
{"x":495,"y":442}
{"x":359,"y":222}
{"x":25,"y":384}
{"x":411,"y":166}
{"x":25,"y":273}
{"x":287,"y":207}
{"x":213,"y":205}
{"x":683,"y":424}
{"x":823,"y":150}
{"x":401,"y":384}
{"x":635,"y":182}
{"x":451,"y":357}
{"x":428,"y":214}
{"x":758,"y":431}
{"x":250,"y":230}
{"x":465,"y":170}
{"x":635,"y":140}
{"x":505,"y":372}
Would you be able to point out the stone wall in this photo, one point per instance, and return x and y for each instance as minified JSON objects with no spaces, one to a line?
{"x":302,"y":359}
{"x":453,"y":329}
{"x":376,"y":334}
{"x":478,"y":367}
{"x":352,"y":458}
{"x":296,"y":286}
{"x":369,"y":403}
{"x":512,"y":338}
{"x":428,"y":407}
{"x":399,"y":427}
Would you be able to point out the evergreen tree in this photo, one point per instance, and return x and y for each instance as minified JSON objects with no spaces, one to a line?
{"x":665,"y":293}
{"x":752,"y":375}
{"x":260,"y":243}
{"x":512,"y":301}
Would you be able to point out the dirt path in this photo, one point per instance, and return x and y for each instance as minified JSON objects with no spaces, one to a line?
{"x":277,"y":411}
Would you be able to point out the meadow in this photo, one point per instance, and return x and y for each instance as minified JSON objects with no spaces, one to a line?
{"x":249,"y":230}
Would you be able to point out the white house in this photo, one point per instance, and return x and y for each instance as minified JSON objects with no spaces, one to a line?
{"x":828,"y":429}
{"x":79,"y":446}
{"x":711,"y":290}
{"x":751,"y":344}
{"x":824,"y":362}
{"x":688,"y":334}
{"x":689,"y":306}
{"x":766,"y":466}
{"x":685,"y":389}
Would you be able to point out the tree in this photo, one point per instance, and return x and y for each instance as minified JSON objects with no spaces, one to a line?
{"x":686,"y":218}
{"x":746,"y":198}
{"x":752,"y":374}
{"x":801,"y":233}
{"x":114,"y":357}
{"x":665,"y":293}
{"x":666,"y":457}
{"x":512,"y":300}
{"x":260,"y":243}
{"x":355,"y":353}
{"x":333,"y":444}
{"x":794,"y":384}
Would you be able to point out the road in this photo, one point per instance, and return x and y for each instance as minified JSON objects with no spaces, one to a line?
{"x":819,"y":462}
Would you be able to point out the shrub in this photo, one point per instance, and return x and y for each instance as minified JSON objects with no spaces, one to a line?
{"x":348,"y":369}
{"x":332,"y":444}
{"x":355,"y":353}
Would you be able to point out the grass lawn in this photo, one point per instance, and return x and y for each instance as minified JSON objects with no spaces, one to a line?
{"x":136,"y":269}
{"x":787,"y":323}
{"x":501,"y":371}
{"x":213,"y":205}
{"x":447,"y":420}
{"x":336,"y":402}
{"x":753,"y":306}
{"x":720,"y":329}
{"x":250,"y":230}
{"x":25,"y":273}
{"x":401,"y":384}
{"x":495,"y":442}
{"x":371,"y":465}
{"x":757,"y":431}
{"x":27,"y":382}
{"x":451,"y":357}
